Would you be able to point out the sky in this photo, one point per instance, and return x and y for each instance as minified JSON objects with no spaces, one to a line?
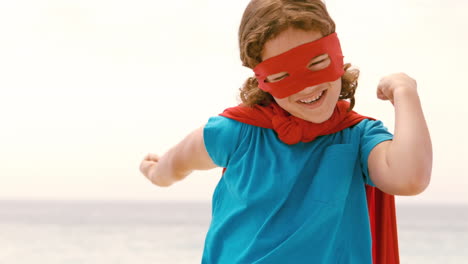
{"x":88,"y":88}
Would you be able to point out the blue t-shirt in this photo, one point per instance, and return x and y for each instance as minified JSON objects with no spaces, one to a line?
{"x":279,"y":203}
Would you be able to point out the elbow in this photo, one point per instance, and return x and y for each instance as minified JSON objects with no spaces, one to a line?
{"x":161,"y":183}
{"x":415,"y":189}
{"x":421,"y":176}
{"x":417,"y":183}
{"x":160,"y":180}
{"x":168,"y":180}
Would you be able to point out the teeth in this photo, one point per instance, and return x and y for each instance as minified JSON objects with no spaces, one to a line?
{"x":312,"y":99}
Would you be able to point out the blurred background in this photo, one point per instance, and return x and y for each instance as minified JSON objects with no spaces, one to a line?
{"x":88,"y":88}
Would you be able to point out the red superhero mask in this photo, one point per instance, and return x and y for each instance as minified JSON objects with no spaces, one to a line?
{"x":295,"y":63}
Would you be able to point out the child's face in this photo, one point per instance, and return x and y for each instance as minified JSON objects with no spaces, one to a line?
{"x":315,"y":103}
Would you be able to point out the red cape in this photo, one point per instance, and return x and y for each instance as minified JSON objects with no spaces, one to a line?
{"x":291,"y":130}
{"x":382,"y":216}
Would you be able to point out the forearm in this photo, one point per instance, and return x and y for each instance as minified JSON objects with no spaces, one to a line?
{"x":409,"y":155}
{"x":169,"y":169}
{"x":177,"y":163}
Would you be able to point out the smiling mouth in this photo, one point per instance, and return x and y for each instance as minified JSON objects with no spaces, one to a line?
{"x":313,"y":99}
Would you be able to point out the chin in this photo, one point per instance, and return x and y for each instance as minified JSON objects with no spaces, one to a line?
{"x":318,"y":118}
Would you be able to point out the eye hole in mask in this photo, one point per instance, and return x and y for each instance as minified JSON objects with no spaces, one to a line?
{"x":276,"y":77}
{"x":318,"y":63}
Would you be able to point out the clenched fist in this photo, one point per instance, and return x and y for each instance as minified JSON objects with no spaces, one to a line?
{"x":148,"y":165}
{"x":396,"y":83}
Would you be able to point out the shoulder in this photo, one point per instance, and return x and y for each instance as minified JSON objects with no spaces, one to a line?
{"x":221,"y":121}
{"x":223,"y":136}
{"x":217,"y":125}
{"x":373,"y":130}
{"x":368,"y":124}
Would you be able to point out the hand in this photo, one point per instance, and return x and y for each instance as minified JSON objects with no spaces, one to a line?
{"x":393,"y":84}
{"x":148,"y":165}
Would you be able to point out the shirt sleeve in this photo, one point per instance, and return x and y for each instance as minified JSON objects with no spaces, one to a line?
{"x":373,"y":133}
{"x":222,"y":138}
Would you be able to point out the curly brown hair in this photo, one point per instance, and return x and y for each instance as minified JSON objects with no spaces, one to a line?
{"x":264,"y":20}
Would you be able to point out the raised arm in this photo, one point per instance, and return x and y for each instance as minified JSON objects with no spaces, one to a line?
{"x":176,"y":164}
{"x":402,"y":166}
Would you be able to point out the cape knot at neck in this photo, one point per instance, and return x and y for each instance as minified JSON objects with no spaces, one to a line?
{"x":287,"y":128}
{"x":290,"y":129}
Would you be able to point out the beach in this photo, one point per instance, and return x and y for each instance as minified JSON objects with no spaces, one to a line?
{"x":173,"y":232}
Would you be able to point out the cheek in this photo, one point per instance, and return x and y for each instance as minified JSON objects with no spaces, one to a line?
{"x":335,"y":88}
{"x":284,"y":103}
{"x":281,"y":102}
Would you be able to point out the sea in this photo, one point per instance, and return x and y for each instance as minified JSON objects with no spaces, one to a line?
{"x":128,"y":232}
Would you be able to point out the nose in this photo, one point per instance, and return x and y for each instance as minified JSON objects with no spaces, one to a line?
{"x":312,"y":89}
